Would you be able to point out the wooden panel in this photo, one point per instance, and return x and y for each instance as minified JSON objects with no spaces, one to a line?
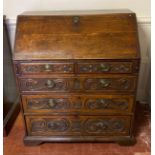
{"x":105,"y":67}
{"x":78,"y":125}
{"x":76,"y":67}
{"x":108,"y":36}
{"x":78,"y":104}
{"x":76,"y":23}
{"x":84,"y":84}
{"x":45,"y":68}
{"x":77,"y":75}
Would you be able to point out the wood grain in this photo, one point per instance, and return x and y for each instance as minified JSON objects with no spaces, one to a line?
{"x":77,"y":74}
{"x":109,"y":36}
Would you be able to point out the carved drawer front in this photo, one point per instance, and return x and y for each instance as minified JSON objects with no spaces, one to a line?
{"x":105,"y":67}
{"x":78,"y":125}
{"x":78,"y":84}
{"x":75,"y":104}
{"x":45,"y":68}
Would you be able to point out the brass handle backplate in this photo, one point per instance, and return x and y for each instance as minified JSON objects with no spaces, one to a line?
{"x":50,"y":83}
{"x":104,"y":83}
{"x":47,"y":67}
{"x":104,"y":67}
{"x":51,"y":103}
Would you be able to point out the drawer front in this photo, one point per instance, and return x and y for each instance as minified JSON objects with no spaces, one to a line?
{"x":84,"y":84}
{"x":78,"y":125}
{"x":105,"y":67}
{"x":77,"y":104}
{"x":45,"y":68}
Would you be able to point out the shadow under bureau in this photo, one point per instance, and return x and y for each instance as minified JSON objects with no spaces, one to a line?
{"x":77,"y":75}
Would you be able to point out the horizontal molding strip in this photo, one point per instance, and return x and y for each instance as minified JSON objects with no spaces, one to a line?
{"x":141,"y":20}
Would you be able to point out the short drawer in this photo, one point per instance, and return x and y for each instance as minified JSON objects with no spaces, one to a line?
{"x":105,"y":67}
{"x":45,"y":68}
{"x":77,"y":84}
{"x":77,"y":104}
{"x":78,"y":125}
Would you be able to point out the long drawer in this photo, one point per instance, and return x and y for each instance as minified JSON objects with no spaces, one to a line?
{"x":77,"y":84}
{"x":78,"y":67}
{"x":77,"y":104}
{"x":78,"y":125}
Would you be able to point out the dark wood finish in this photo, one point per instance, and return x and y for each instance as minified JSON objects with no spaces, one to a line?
{"x":45,"y":68}
{"x":77,"y":75}
{"x":78,"y":125}
{"x":76,"y":67}
{"x":105,"y":67}
{"x":83,"y":84}
{"x":81,"y":104}
{"x":10,"y":94}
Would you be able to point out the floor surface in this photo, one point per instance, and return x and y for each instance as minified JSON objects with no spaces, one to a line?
{"x":13,"y":144}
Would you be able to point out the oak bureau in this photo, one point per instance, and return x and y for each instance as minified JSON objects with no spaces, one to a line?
{"x":77,"y":75}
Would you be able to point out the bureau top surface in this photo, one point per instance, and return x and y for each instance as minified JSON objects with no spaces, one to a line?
{"x":76,"y":35}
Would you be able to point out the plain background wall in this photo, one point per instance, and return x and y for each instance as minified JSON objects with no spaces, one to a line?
{"x":14,"y":7}
{"x":141,"y":7}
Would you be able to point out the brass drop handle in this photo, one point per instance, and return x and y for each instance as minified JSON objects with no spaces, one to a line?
{"x":104,"y":67}
{"x":50,"y":83}
{"x":76,"y":20}
{"x":51,"y":103}
{"x":102,"y":101}
{"x":101,"y":125}
{"x":47,"y":67}
{"x":104,"y":83}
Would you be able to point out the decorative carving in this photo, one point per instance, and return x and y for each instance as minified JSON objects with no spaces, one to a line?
{"x":54,"y":125}
{"x":96,"y":125}
{"x":38,"y":125}
{"x":117,"y":125}
{"x":108,"y":84}
{"x":45,"y":84}
{"x":81,"y":84}
{"x":87,"y":125}
{"x":116,"y":67}
{"x":124,"y":83}
{"x":67,"y":68}
{"x":30,"y":69}
{"x":57,"y":125}
{"x":47,"y":67}
{"x":103,"y":125}
{"x":77,"y":103}
{"x":55,"y":104}
{"x":30,"y":83}
{"x":110,"y":104}
{"x":122,"y":68}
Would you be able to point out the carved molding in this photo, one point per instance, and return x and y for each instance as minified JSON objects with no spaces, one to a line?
{"x":90,"y":125}
{"x":78,"y":103}
{"x":101,"y":125}
{"x":107,"y":83}
{"x":109,"y":104}
{"x":47,"y":67}
{"x":123,"y":67}
{"x":73,"y":84}
{"x":54,"y":125}
{"x":45,"y":84}
{"x":55,"y":104}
